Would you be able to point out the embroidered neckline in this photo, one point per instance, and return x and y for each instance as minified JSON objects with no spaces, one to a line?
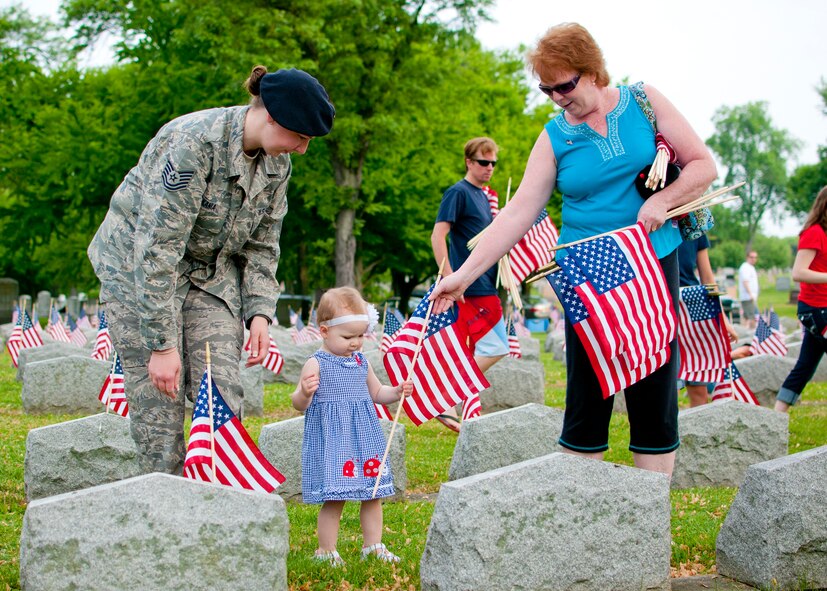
{"x":610,"y":145}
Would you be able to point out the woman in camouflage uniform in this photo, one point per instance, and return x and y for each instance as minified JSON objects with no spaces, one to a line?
{"x":187,"y":253}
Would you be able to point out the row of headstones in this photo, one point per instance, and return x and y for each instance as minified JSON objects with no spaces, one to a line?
{"x":61,"y":378}
{"x":551,"y":522}
{"x":45,"y":300}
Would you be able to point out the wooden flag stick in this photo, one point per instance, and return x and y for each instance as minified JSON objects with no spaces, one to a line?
{"x":212,"y":423}
{"x":697,"y":204}
{"x":410,"y":373}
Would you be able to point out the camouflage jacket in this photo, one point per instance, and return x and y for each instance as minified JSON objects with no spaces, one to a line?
{"x":196,"y":210}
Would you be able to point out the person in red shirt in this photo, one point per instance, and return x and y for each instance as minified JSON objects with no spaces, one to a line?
{"x":810,"y":269}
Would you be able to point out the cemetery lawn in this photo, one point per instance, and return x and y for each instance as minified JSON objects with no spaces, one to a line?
{"x":697,"y":514}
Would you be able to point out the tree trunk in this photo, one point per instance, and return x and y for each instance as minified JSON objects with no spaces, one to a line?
{"x":345,"y":248}
{"x":345,"y":257}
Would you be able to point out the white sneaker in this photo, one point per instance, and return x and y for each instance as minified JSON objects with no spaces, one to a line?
{"x":380,"y":552}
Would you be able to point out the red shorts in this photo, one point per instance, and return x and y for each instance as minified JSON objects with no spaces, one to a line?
{"x":477,"y":316}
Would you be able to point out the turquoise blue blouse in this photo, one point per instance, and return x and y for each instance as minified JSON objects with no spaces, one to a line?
{"x":596,"y":174}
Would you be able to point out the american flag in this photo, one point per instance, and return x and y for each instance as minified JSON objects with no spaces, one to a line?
{"x":304,"y":334}
{"x":36,"y":322}
{"x":76,"y":335}
{"x":83,"y":319}
{"x":513,"y":342}
{"x":471,"y":407}
{"x":274,"y":360}
{"x":445,"y":372}
{"x":238,"y":461}
{"x":15,"y":314}
{"x":391,"y":326}
{"x":23,"y":336}
{"x":383,"y":412}
{"x":615,"y":337}
{"x":56,"y":329}
{"x":775,"y":324}
{"x":103,"y":342}
{"x":532,"y":251}
{"x":767,"y":341}
{"x":112,"y":392}
{"x":293,"y":316}
{"x":619,"y":274}
{"x":702,"y":336}
{"x":493,"y":200}
{"x":734,"y":386}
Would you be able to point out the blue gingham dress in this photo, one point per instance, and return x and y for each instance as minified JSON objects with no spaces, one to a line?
{"x":343,"y":441}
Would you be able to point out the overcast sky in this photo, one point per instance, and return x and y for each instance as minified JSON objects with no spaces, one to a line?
{"x":701,"y":54}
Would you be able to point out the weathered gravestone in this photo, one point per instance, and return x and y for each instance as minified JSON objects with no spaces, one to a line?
{"x":719,"y":441}
{"x":44,"y":303}
{"x":514,"y":382}
{"x":67,"y":385}
{"x":775,"y":534}
{"x":764,"y":375}
{"x":78,"y":454}
{"x":506,"y":437}
{"x":547,"y":523}
{"x":555,"y":344}
{"x":156,"y":532}
{"x":252,"y":383}
{"x":294,"y":355}
{"x":530,"y":349}
{"x":782,"y":283}
{"x":281,"y":443}
{"x":53,"y":350}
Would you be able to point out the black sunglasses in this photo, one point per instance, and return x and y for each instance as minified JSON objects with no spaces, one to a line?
{"x":485,"y":163}
{"x":564,"y":88}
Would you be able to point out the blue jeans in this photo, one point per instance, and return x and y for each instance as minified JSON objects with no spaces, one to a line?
{"x":812,"y":348}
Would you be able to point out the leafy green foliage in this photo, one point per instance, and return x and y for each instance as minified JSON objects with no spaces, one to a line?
{"x":755,"y":152}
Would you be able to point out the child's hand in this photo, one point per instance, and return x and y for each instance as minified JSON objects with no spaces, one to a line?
{"x":405,"y":389}
{"x":310,"y":384}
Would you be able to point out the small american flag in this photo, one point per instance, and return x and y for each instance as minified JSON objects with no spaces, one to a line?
{"x":274,"y":360}
{"x":383,"y":412}
{"x":513,"y":342}
{"x":734,"y":386}
{"x":15,"y":314}
{"x":304,"y":334}
{"x":603,"y":305}
{"x":493,"y":200}
{"x":76,"y":335}
{"x":445,"y":373}
{"x":471,"y":407}
{"x":702,"y":336}
{"x":23,"y":336}
{"x":103,"y":342}
{"x":83,"y":319}
{"x":620,"y":275}
{"x":112,"y":392}
{"x":56,"y":329}
{"x":767,"y":341}
{"x":532,"y":251}
{"x":238,"y":461}
{"x":392,"y":324}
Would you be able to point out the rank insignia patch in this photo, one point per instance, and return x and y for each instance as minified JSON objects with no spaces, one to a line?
{"x":175,"y":180}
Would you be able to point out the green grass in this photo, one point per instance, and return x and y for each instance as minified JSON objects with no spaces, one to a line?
{"x":697,"y":514}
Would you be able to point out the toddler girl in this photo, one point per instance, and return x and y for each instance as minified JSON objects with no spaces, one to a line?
{"x":343,"y":441}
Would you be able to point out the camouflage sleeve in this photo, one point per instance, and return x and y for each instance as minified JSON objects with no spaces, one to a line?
{"x":174,"y":174}
{"x":260,"y":259}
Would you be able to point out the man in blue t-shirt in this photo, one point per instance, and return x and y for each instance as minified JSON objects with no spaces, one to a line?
{"x":464,"y":212}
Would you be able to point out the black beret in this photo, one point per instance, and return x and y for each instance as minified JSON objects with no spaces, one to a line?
{"x":298,"y":102}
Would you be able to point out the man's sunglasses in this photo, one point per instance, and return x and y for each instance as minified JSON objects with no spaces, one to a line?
{"x":564,"y":88}
{"x":485,"y":163}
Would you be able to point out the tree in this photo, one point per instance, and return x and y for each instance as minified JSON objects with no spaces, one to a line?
{"x":755,"y":152}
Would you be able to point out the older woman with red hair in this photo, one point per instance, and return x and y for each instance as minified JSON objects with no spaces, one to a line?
{"x":592,"y":152}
